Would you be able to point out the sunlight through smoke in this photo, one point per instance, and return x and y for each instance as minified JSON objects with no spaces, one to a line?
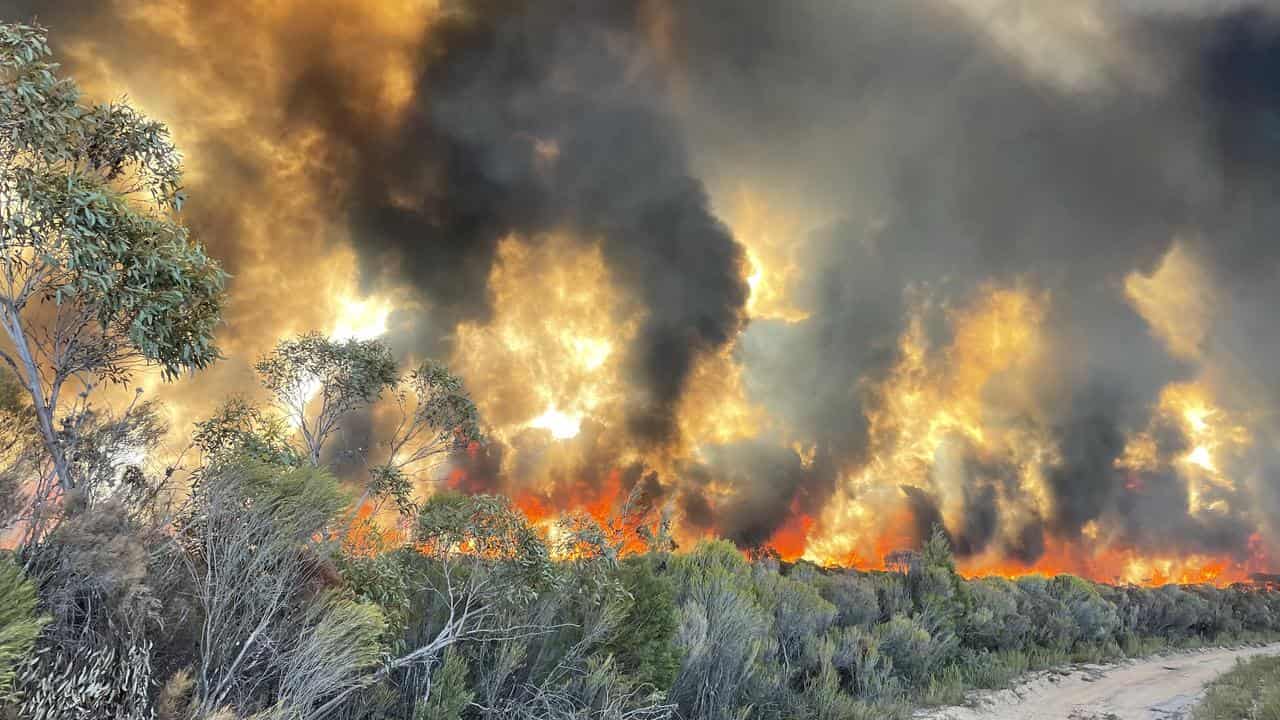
{"x":562,"y":426}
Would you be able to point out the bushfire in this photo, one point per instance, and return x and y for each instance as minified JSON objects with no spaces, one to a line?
{"x":815,"y":277}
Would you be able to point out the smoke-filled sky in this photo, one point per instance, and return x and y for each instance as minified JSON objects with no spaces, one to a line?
{"x":817,"y":274}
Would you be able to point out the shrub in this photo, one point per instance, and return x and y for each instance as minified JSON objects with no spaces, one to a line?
{"x":19,"y":623}
{"x":722,"y":633}
{"x":272,"y":639}
{"x":1052,"y":624}
{"x":1170,"y":612}
{"x":906,"y":642}
{"x":449,"y":694}
{"x":101,"y":683}
{"x":800,"y":616}
{"x":856,"y":654}
{"x":645,"y":647}
{"x":1095,"y":619}
{"x":822,"y":695}
{"x":854,"y":597}
{"x":993,"y":621}
{"x":892,"y":594}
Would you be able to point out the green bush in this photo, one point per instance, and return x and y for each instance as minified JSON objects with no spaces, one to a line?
{"x":449,"y":694}
{"x":1052,"y":624}
{"x":722,"y":633}
{"x":856,"y":655}
{"x":993,"y":620}
{"x":19,"y":622}
{"x":854,"y":597}
{"x":993,"y":670}
{"x":1095,"y":619}
{"x":909,"y":646}
{"x":645,"y":647}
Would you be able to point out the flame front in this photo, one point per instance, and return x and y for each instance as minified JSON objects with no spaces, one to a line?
{"x":879,"y":266}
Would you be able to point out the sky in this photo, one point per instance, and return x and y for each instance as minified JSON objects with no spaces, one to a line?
{"x":813,"y":275}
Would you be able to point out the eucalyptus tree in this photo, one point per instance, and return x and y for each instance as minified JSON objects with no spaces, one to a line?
{"x":317,"y":381}
{"x":98,"y":275}
{"x":436,"y":419}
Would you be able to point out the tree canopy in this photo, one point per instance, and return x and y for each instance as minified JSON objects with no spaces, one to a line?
{"x":98,"y":275}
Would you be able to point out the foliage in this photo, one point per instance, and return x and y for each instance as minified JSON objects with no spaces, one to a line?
{"x":437,"y":417}
{"x":721,"y":633}
{"x":995,"y":622}
{"x":99,"y":274}
{"x":449,"y":695}
{"x":270,"y":638}
{"x":909,"y":646}
{"x":853,"y":596}
{"x":452,"y":527}
{"x":338,"y":376}
{"x":339,"y":643}
{"x":1095,"y":619}
{"x":1250,"y":690}
{"x":241,"y":428}
{"x":19,"y":622}
{"x":103,"y":682}
{"x":645,"y":648}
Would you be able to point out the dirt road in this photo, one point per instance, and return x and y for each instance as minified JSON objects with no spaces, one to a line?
{"x":1159,"y":688}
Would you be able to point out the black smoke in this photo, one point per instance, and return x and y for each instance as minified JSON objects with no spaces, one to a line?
{"x":932,"y":160}
{"x":949,"y":164}
{"x":530,"y":119}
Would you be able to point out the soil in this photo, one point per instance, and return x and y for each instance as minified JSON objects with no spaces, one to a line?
{"x":1164,"y":687}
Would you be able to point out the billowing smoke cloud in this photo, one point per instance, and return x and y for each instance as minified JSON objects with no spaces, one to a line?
{"x":947,"y":161}
{"x":534,"y":118}
{"x":1055,"y":226}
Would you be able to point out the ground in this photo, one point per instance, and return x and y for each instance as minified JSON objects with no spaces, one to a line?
{"x":1159,"y":688}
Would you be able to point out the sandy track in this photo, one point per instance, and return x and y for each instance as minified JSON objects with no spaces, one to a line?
{"x":1160,"y":688}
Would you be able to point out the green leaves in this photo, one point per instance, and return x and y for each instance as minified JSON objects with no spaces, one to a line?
{"x":348,"y":373}
{"x":449,"y":693}
{"x":488,"y":529}
{"x":99,"y":274}
{"x":343,"y":375}
{"x":19,"y":624}
{"x":444,"y":405}
{"x":302,"y":500}
{"x":240,"y":427}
